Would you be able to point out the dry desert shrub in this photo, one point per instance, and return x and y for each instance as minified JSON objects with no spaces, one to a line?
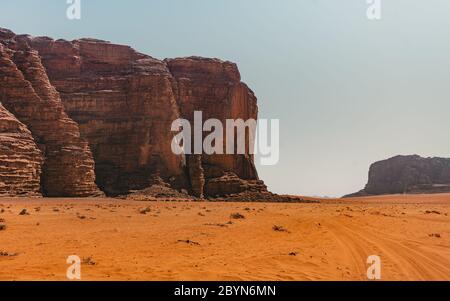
{"x":437,"y":235}
{"x":7,"y":254}
{"x":237,"y":216}
{"x":145,"y":210}
{"x":88,"y":261}
{"x":279,"y":229}
{"x":189,"y":242}
{"x":24,"y":212}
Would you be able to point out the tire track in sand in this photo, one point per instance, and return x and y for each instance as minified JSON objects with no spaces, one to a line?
{"x":407,"y":262}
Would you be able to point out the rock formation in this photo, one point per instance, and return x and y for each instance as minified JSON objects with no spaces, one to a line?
{"x":196,"y":175}
{"x":20,"y":158}
{"x":124,"y":105}
{"x":27,"y":93}
{"x":408,"y":174}
{"x":101,"y":116}
{"x":214,"y":87}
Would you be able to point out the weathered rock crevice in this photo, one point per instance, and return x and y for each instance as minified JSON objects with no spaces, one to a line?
{"x":20,"y":158}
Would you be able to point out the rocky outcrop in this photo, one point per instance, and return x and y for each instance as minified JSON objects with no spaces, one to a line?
{"x":408,"y":174}
{"x":20,"y":158}
{"x":214,"y":87}
{"x":196,"y":175}
{"x":124,"y":105}
{"x":26,"y":92}
{"x":159,"y":190}
{"x":101,"y":116}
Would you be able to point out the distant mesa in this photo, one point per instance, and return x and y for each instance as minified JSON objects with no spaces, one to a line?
{"x":407,"y":174}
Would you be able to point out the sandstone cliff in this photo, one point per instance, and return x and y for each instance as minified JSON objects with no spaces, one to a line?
{"x":20,"y":158}
{"x":215,"y":88}
{"x":124,"y":105}
{"x":408,"y":174}
{"x":26,"y":92}
{"x":101,"y":115}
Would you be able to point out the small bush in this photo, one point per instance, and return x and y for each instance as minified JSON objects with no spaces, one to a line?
{"x":279,"y":228}
{"x":24,"y":212}
{"x":237,"y":216}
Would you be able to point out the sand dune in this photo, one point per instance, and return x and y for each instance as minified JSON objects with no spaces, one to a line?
{"x":130,"y":240}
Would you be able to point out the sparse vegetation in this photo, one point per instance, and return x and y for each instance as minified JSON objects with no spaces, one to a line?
{"x":81,"y":216}
{"x":88,"y":261}
{"x":189,"y":242}
{"x":237,"y":216}
{"x":145,"y":210}
{"x":432,"y":212}
{"x":7,"y":254}
{"x":279,"y":229}
{"x":24,"y":212}
{"x":217,"y":225}
{"x":437,"y":235}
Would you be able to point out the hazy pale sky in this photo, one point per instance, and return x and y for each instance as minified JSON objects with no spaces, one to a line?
{"x":348,"y":91}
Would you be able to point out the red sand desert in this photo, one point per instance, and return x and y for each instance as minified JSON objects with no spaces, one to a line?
{"x":133,"y":240}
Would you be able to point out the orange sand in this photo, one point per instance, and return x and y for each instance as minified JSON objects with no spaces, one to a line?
{"x":332,"y":240}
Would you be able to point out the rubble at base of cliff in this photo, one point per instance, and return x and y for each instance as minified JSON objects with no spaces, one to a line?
{"x":161,"y":191}
{"x":164,"y":194}
{"x":266,"y":197}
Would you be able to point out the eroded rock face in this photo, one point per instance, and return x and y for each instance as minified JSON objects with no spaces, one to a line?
{"x":27,"y":93}
{"x":214,"y":87}
{"x":20,"y":158}
{"x":124,"y":104}
{"x":408,"y":174}
{"x":196,"y":175}
{"x":101,"y":115}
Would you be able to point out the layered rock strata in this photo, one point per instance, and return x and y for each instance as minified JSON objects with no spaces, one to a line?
{"x":124,"y":105}
{"x":26,"y":92}
{"x":20,"y":158}
{"x":101,"y":116}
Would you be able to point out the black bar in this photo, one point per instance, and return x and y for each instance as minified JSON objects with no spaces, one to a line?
{"x":227,"y":290}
